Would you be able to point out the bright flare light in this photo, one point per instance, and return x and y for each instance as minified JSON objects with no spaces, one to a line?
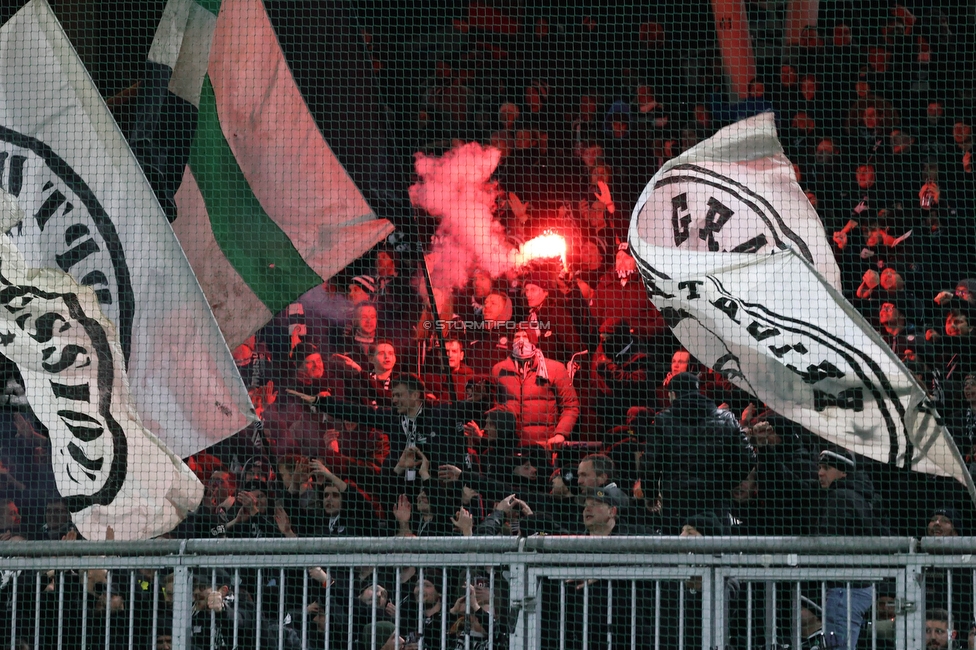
{"x":545,"y":246}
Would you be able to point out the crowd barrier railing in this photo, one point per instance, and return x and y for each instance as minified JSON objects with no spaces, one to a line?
{"x":539,"y":592}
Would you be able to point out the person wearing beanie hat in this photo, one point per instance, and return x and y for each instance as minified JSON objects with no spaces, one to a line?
{"x":684,"y":383}
{"x":385,"y":636}
{"x":840,"y":460}
{"x":944,"y":522}
{"x":697,"y":452}
{"x":361,"y":289}
{"x":848,"y":511}
{"x":538,"y":391}
{"x":554,"y":316}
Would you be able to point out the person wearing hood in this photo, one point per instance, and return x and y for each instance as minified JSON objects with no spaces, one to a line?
{"x":846,"y":511}
{"x":539,"y":391}
{"x":624,"y":372}
{"x":622,"y":146}
{"x":697,"y":453}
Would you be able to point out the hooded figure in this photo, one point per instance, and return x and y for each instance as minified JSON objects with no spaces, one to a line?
{"x":624,"y":372}
{"x":698,"y":453}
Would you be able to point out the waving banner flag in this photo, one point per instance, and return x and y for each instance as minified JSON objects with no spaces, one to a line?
{"x":91,"y":213}
{"x":734,"y":192}
{"x":265,"y":210}
{"x":109,"y":469}
{"x":771,"y":323}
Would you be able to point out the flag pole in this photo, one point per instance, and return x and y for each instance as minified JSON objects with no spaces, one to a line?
{"x":442,"y":357}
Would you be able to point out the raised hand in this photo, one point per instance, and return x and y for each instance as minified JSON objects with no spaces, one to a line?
{"x":603,"y":196}
{"x":463,"y":521}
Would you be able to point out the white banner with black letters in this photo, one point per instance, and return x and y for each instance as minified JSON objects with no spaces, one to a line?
{"x":109,"y":469}
{"x":736,"y":259}
{"x":774,"y":327}
{"x":734,"y":192}
{"x":91,"y":212}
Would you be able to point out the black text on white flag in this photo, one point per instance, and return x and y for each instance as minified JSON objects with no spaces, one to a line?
{"x":771,"y":325}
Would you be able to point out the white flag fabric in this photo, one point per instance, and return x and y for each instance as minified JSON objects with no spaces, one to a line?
{"x":734,"y":192}
{"x":770,"y":316}
{"x":92,"y":213}
{"x":109,"y":469}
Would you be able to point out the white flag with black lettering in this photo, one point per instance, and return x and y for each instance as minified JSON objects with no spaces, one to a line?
{"x":90,"y":211}
{"x":736,"y":259}
{"x":734,"y":192}
{"x":109,"y":469}
{"x":774,"y":327}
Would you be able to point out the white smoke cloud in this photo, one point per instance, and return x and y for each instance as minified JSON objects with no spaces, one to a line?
{"x":456,"y":188}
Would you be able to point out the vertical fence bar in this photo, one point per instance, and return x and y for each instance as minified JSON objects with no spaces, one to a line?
{"x":155,"y":612}
{"x":237,"y":594}
{"x":633,"y":615}
{"x":586,"y":615}
{"x":681,"y":615}
{"x":132,"y":610}
{"x":468,"y":591}
{"x":260,"y":607}
{"x":328,"y":609}
{"x":949,"y":600}
{"x":182,"y":606}
{"x":396,"y":614}
{"x":874,"y":618}
{"x":849,"y":615}
{"x":491,"y":602}
{"x":795,"y":611}
{"x":37,"y":609}
{"x":108,"y":608}
{"x":372,"y":632}
{"x":349,"y":601}
{"x":711,"y":620}
{"x":443,"y":607}
{"x":420,"y":609}
{"x":60,"y":609}
{"x":657,"y":615}
{"x":281,"y":608}
{"x":562,"y":615}
{"x":13,"y":612}
{"x":609,"y":613}
{"x":749,"y":615}
{"x":213,"y":614}
{"x":304,"y":609}
{"x":84,"y":609}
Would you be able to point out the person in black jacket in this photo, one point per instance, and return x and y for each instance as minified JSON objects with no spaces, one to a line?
{"x":419,"y":434}
{"x":697,"y":453}
{"x":847,"y":512}
{"x":624,"y":373}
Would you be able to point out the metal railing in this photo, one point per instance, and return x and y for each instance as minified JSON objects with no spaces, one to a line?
{"x":537,"y":592}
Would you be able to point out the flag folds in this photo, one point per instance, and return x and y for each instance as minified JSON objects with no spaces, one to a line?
{"x":265,"y":211}
{"x":109,"y":469}
{"x":734,"y":192}
{"x":770,"y":317}
{"x":91,"y":212}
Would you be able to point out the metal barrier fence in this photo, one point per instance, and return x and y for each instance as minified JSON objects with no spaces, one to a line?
{"x":544,"y":592}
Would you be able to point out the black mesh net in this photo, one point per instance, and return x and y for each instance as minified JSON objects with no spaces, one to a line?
{"x":460,"y":305}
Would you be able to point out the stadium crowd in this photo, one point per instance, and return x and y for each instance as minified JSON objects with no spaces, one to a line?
{"x":556,"y":400}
